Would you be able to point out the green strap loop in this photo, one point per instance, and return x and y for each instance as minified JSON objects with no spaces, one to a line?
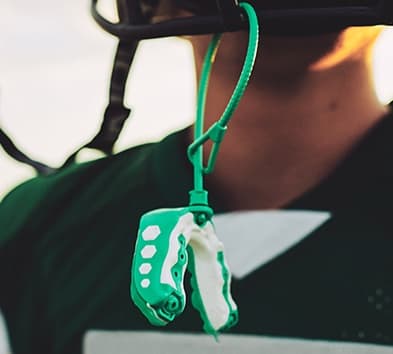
{"x":217,"y":131}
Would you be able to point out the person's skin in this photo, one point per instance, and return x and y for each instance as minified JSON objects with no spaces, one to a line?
{"x":309,"y":102}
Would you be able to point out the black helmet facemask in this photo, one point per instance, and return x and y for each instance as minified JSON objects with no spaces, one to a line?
{"x":277,"y":17}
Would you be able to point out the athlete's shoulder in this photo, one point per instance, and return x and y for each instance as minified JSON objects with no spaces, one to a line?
{"x":29,"y":203}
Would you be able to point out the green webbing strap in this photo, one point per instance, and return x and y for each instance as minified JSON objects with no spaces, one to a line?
{"x":217,"y":131}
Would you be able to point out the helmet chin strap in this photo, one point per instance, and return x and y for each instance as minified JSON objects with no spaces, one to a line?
{"x":13,"y":151}
{"x":116,"y":113}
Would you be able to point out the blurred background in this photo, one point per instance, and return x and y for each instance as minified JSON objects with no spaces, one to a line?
{"x":54,"y":75}
{"x":55,"y":65}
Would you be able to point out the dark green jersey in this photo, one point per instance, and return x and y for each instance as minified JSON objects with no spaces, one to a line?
{"x":66,"y":243}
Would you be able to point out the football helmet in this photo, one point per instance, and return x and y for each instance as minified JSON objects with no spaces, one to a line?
{"x":137,"y":22}
{"x":276,"y":16}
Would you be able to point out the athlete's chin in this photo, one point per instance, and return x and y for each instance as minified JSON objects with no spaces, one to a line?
{"x":320,"y":52}
{"x":352,"y":44}
{"x":293,"y":56}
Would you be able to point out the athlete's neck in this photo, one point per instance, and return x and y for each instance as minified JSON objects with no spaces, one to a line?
{"x":290,"y":133}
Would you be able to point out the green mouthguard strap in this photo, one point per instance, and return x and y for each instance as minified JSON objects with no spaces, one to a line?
{"x":172,"y":240}
{"x":217,"y":131}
